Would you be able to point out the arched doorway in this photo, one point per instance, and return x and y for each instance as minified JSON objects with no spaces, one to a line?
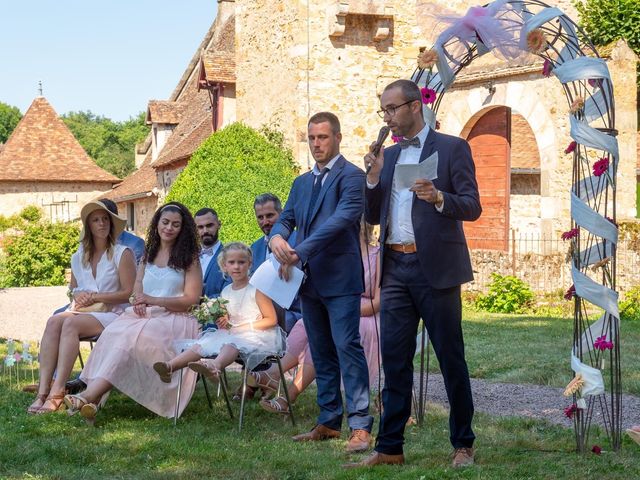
{"x":490,"y":141}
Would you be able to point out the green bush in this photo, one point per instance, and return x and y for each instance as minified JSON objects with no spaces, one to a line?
{"x":630,"y":306}
{"x":39,"y":256}
{"x":507,"y":294}
{"x":229,"y":170}
{"x":31,"y":213}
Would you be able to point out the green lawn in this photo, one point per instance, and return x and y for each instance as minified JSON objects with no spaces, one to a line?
{"x":130,"y":442}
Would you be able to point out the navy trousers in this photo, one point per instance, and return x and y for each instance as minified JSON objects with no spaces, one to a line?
{"x":406,"y":296}
{"x":333,"y":329}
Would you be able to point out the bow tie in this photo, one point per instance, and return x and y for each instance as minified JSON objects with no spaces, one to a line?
{"x":413,"y":142}
{"x":207,"y":251}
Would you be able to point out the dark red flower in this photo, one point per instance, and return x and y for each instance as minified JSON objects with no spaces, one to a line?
{"x":600,"y":166}
{"x":570,"y":410}
{"x":546,"y":68}
{"x":595,"y":82}
{"x":568,"y":235}
{"x":602,"y":344}
{"x":428,"y":95}
{"x":596,"y":449}
{"x":570,"y":293}
{"x":571,"y":148}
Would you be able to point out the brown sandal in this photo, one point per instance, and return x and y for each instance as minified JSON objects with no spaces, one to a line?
{"x":208,"y":370}
{"x":74,"y":403}
{"x":164,"y":371}
{"x":56,"y":403}
{"x":33,"y":408}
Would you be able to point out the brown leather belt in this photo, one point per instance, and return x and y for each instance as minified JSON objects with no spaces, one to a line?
{"x":402,"y":247}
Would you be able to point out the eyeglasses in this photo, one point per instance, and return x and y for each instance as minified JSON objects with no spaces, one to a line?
{"x":391,"y":111}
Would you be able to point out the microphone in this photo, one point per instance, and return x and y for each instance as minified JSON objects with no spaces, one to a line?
{"x":382,"y":136}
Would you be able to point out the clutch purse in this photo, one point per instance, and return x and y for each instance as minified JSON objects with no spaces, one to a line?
{"x":94,"y":307}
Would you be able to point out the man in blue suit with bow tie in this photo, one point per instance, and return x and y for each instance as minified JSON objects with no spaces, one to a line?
{"x":325,"y":206}
{"x":208,"y":226}
{"x":424,"y":260}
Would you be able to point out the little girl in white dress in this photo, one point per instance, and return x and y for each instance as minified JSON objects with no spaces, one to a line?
{"x":250,"y":328}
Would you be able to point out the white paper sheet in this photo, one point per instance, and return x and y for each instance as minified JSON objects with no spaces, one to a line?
{"x":266,"y":279}
{"x":406,"y":174}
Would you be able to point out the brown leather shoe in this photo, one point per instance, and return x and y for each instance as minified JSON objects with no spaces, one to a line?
{"x":377,"y":458}
{"x":319,"y":432}
{"x":359,"y":441}
{"x":463,"y":457}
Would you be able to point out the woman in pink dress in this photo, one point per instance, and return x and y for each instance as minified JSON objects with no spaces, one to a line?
{"x":298,"y":353}
{"x":168,"y":284}
{"x":102,"y":276}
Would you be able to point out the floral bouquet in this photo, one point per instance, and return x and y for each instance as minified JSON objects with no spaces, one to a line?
{"x":210,"y":310}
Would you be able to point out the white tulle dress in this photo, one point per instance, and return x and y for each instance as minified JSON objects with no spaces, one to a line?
{"x":254,"y":345}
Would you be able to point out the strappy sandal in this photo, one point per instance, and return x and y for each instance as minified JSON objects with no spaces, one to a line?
{"x":276,"y":405}
{"x":164,"y":371}
{"x":56,"y":403}
{"x":33,"y":409}
{"x":89,"y":412}
{"x":263,"y":380}
{"x":74,"y":403}
{"x":209,"y":371}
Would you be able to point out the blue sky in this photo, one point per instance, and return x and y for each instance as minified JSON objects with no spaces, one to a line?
{"x":110,"y":57}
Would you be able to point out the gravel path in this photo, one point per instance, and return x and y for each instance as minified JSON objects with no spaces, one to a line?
{"x":534,"y":401}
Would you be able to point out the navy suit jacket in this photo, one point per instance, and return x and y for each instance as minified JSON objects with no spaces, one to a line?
{"x":440,"y":241}
{"x":213,"y":281}
{"x":328,"y":241}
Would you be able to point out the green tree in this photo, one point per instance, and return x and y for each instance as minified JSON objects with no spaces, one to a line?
{"x":608,"y":20}
{"x":9,"y":118}
{"x":111,"y":144}
{"x":229,"y":170}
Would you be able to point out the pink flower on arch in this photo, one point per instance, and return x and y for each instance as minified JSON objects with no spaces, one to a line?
{"x":570,"y":293}
{"x":569,"y":234}
{"x":428,"y":95}
{"x":602,"y":344}
{"x":571,"y":147}
{"x":600,"y":166}
{"x":546,"y":68}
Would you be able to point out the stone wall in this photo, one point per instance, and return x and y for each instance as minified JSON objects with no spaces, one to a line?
{"x":144,"y":208}
{"x":17,"y":195}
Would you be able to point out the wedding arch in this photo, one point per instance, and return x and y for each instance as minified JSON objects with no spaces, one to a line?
{"x":511,"y":29}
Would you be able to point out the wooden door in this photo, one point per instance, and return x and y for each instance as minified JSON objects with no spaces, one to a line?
{"x":490,"y":141}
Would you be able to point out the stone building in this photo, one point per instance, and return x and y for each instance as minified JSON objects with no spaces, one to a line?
{"x":279,"y":62}
{"x":43,"y":164}
{"x":202,"y":102}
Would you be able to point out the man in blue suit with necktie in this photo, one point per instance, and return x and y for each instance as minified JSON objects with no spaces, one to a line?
{"x":325,"y":206}
{"x":424,"y":260}
{"x":208,"y":226}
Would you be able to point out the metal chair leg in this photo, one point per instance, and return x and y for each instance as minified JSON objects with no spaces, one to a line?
{"x":206,"y":391}
{"x":222,"y":384}
{"x":175,"y":416}
{"x":283,"y":382}
{"x":80,"y":358}
{"x":244,"y":392}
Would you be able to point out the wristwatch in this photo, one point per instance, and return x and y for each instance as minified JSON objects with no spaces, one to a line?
{"x":439,"y":199}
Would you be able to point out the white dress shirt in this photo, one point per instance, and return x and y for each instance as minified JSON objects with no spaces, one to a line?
{"x":400,"y":225}
{"x":205,"y":259}
{"x":329,"y":166}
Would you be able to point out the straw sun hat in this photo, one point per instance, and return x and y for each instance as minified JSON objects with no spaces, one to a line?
{"x":118,"y":222}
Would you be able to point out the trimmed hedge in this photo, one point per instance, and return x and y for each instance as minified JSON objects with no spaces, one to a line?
{"x":40,"y":256}
{"x":229,"y":170}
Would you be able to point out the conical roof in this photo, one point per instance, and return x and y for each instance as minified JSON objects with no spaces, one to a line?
{"x":42,"y":148}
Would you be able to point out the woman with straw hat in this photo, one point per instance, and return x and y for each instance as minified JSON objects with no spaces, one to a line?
{"x":102,"y":278}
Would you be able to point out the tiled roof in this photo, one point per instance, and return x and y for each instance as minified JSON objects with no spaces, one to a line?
{"x":139,"y":183}
{"x":194,"y":128}
{"x":164,"y":111}
{"x":42,"y":148}
{"x":218,"y":67}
